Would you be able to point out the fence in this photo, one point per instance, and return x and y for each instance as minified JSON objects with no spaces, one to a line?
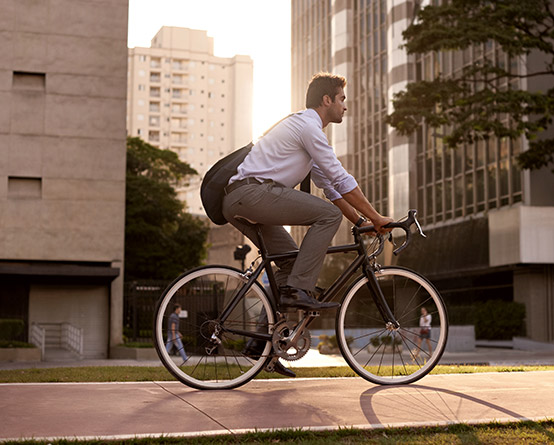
{"x":140,"y":299}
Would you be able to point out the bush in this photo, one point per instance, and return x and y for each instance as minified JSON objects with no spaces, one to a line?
{"x":11,"y":328}
{"x":461,"y":315}
{"x":499,"y":320}
{"x":386,"y":340}
{"x":15,"y":344}
{"x":137,"y":344}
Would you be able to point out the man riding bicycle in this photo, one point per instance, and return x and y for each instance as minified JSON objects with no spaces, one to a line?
{"x":263,"y":191}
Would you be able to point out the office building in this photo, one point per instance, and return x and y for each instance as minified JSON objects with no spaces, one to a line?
{"x":63,"y":74}
{"x":489,"y":225}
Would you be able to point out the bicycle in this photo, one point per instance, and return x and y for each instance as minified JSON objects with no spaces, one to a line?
{"x":377,"y":325}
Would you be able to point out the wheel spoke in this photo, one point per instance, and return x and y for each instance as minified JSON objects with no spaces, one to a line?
{"x":216,"y":353}
{"x":388,"y":356}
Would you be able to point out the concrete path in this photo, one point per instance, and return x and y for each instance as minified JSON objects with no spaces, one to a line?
{"x":127,"y":410}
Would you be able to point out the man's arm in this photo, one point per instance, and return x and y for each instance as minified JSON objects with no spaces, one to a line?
{"x":353,"y":202}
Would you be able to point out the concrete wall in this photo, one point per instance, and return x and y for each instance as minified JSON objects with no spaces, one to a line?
{"x":63,"y":75}
{"x":521,"y":234}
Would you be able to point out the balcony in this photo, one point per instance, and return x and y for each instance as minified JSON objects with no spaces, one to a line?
{"x":179,"y":66}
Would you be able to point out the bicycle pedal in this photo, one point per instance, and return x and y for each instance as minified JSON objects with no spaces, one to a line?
{"x":270,"y":367}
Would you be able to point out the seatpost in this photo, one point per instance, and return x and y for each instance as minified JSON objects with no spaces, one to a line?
{"x":268,"y":269}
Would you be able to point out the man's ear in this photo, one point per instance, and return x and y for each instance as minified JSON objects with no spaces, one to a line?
{"x":326,"y":100}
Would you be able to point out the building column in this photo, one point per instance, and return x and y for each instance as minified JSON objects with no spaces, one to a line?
{"x":534,"y":287}
{"x":400,"y":71}
{"x":116,"y":307}
{"x":342,"y":52}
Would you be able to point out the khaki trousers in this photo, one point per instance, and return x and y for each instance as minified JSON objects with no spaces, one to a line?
{"x":274,"y":206}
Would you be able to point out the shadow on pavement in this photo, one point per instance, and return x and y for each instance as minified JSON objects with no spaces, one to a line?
{"x":424,"y":404}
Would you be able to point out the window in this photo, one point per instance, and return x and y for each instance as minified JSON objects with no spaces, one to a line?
{"x":24,"y":188}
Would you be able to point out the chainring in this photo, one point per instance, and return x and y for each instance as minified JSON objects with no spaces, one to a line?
{"x":285,"y":349}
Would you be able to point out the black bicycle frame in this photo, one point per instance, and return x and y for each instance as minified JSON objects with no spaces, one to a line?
{"x":361,"y":260}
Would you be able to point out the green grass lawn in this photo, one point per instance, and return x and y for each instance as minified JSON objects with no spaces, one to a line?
{"x":159,"y":373}
{"x":492,"y":433}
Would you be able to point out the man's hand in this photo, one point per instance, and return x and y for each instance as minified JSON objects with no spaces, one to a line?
{"x":380,"y":222}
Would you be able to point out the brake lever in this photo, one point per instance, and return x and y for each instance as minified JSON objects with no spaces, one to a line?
{"x":419,"y":229}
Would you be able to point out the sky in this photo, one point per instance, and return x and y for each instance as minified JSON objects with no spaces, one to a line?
{"x":258,"y":28}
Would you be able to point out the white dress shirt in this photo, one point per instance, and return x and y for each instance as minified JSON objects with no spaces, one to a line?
{"x":292,"y":149}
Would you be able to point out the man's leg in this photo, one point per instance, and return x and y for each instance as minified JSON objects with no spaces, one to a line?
{"x":272,"y":205}
{"x":181,"y":348}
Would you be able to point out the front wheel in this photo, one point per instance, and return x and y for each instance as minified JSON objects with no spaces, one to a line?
{"x":381,"y":353}
{"x":207,"y":353}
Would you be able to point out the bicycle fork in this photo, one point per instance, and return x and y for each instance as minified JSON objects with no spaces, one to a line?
{"x":379,"y":298}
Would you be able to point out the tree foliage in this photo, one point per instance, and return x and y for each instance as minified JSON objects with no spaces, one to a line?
{"x":161,"y":239}
{"x":473,"y":105}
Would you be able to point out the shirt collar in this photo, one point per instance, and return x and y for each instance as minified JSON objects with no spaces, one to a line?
{"x":314,"y":115}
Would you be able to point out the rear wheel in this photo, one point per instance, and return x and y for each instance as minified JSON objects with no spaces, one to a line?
{"x":381,"y":353}
{"x":218,"y":354}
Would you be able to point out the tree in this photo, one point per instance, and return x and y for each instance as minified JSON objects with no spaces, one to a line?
{"x":472,"y":104}
{"x":161,"y":239}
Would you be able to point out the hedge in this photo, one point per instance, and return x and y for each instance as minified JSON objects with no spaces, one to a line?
{"x":499,"y":320}
{"x":11,"y":328}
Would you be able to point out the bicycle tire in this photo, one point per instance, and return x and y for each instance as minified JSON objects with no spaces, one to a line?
{"x":203,"y":293}
{"x":383,"y":355}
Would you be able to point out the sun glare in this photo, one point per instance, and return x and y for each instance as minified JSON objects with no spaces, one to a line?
{"x":258,"y":28}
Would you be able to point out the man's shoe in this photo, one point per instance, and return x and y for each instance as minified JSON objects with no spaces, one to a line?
{"x":280,"y":369}
{"x":254,"y":350}
{"x":292,"y":297}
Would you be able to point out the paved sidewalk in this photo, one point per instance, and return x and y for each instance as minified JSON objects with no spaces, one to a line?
{"x":150,"y":409}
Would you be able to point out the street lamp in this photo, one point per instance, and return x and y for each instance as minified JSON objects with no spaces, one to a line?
{"x":240,"y":253}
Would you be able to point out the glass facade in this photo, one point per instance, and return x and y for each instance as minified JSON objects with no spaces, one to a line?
{"x":473,"y":178}
{"x":369,"y":102}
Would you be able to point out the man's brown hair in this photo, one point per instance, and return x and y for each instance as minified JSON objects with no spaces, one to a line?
{"x":323,"y":84}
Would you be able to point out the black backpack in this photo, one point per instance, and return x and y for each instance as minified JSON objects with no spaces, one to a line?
{"x":215,"y":180}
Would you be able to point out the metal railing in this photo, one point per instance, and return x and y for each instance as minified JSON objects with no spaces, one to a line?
{"x":38,"y":337}
{"x":72,"y":338}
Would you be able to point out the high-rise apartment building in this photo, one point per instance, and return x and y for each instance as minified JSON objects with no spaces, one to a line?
{"x":63,"y":75}
{"x":182,"y":97}
{"x":489,"y":225}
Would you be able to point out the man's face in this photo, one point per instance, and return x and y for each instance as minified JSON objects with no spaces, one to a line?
{"x":337,"y":108}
